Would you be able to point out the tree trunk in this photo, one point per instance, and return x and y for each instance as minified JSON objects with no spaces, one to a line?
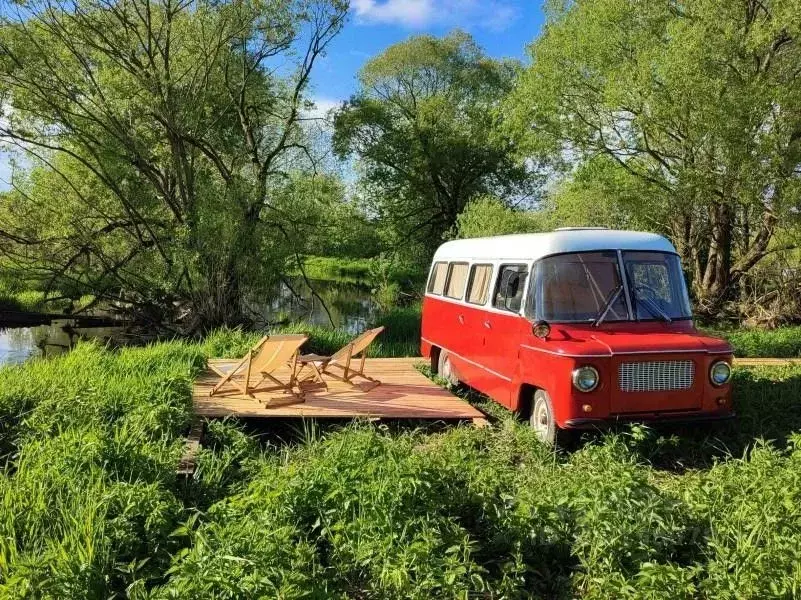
{"x":219,"y":302}
{"x":714,"y":288}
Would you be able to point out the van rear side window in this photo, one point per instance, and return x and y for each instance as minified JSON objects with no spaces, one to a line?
{"x":479,"y":284}
{"x":457,"y":277}
{"x":510,"y":286}
{"x":436,"y":285}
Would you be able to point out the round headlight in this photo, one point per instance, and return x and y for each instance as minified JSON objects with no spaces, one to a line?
{"x":585,"y":378}
{"x":720,"y":373}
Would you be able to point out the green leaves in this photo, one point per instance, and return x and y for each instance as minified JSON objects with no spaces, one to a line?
{"x":423,"y":126}
{"x":681,"y":116}
{"x":159,"y":137}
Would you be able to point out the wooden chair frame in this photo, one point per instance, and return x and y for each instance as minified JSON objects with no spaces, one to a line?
{"x":348,"y":372}
{"x":246,"y":388}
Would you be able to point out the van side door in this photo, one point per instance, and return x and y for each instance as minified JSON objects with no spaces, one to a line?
{"x":502,"y":329}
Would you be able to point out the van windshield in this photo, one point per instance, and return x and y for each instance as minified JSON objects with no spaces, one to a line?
{"x":586,"y":287}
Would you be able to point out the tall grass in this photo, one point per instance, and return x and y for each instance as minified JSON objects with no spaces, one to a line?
{"x":401,"y":337}
{"x":90,"y":506}
{"x":90,"y":440}
{"x":361,"y":271}
{"x":783,"y":342}
{"x":38,"y":301}
{"x":367,"y":512}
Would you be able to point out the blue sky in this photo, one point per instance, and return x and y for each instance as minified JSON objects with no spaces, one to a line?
{"x":502,"y":27}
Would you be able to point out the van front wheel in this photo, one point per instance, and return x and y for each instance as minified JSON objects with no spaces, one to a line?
{"x":542,"y":419}
{"x":445,"y":369}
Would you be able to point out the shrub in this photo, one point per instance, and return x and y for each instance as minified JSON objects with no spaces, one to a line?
{"x":784,"y":342}
{"x":87,"y":498}
{"x":90,"y":506}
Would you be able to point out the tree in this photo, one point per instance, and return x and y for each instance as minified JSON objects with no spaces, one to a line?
{"x":424,"y":128}
{"x":696,"y":104}
{"x":161,"y":131}
{"x":332,"y":225}
{"x":486,"y":216}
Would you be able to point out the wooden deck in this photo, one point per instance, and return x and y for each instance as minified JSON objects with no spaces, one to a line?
{"x":404,"y":393}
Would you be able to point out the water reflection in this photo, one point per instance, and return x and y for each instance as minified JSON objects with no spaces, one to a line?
{"x":18,"y":344}
{"x":350,"y":306}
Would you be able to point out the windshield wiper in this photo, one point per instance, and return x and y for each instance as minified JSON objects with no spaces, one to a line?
{"x":608,"y":306}
{"x":653,"y":308}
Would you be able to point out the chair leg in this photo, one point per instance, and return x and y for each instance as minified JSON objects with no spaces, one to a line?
{"x":350,"y":374}
{"x":317,"y":375}
{"x":229,"y":377}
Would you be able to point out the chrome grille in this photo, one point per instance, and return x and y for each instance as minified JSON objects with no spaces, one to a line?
{"x":656,"y":376}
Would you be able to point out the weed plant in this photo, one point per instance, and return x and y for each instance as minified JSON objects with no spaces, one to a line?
{"x":90,"y":506}
{"x":782,"y":342}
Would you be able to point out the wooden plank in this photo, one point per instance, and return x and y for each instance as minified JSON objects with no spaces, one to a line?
{"x":403,"y":393}
{"x":759,"y":362}
{"x":480,"y":422}
{"x":186,"y":466}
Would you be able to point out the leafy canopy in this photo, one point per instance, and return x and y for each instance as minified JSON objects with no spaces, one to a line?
{"x":693,"y":105}
{"x":161,"y":134}
{"x":423,"y":125}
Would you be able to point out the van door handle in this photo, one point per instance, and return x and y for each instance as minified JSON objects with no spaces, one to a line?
{"x":487,"y":325}
{"x":461,"y":319}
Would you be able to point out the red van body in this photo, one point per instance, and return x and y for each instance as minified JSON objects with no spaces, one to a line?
{"x":645,"y":364}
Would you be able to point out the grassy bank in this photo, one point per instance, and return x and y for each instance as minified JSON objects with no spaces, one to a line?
{"x":400,"y":338}
{"x":782,"y":342}
{"x":90,"y":506}
{"x":37,"y":301}
{"x":363,"y":271}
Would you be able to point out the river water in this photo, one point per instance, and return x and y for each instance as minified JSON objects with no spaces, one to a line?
{"x":350,"y":307}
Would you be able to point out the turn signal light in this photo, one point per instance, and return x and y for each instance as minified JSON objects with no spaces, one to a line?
{"x":586,"y":408}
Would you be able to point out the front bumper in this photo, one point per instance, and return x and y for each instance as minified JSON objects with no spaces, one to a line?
{"x":650,"y":418}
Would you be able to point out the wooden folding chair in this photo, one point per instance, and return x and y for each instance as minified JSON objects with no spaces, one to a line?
{"x":342,"y":359}
{"x":270,"y":354}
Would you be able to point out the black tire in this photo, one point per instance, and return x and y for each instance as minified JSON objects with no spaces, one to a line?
{"x":445,"y":369}
{"x":543,"y":422}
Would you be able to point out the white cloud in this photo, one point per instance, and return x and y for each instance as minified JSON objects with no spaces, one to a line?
{"x":502,"y":17}
{"x":410,"y":13}
{"x":322,"y":106}
{"x":494,"y":15}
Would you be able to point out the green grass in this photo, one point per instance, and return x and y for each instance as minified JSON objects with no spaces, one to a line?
{"x":37,"y":301}
{"x":362,"y":271}
{"x":782,"y":342}
{"x":400,"y":338}
{"x":90,"y":506}
{"x":327,"y":268}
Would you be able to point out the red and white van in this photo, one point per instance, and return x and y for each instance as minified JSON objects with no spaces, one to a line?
{"x":574,"y":328}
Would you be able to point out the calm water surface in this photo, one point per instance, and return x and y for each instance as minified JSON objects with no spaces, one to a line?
{"x":350,"y":307}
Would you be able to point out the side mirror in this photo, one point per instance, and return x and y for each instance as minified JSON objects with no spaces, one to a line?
{"x":541,"y":329}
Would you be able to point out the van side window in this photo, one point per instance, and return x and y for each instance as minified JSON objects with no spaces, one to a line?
{"x":510,"y":286}
{"x":478,"y":284}
{"x":457,"y":276}
{"x":436,"y":285}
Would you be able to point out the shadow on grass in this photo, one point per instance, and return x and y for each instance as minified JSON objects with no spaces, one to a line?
{"x":767,"y":401}
{"x":288,"y":433}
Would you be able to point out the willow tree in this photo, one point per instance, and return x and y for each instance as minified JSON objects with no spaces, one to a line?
{"x":423,"y":126}
{"x":158,"y":132}
{"x":687,"y":113}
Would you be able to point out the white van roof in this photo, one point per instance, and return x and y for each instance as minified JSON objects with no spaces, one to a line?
{"x":532,"y":246}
